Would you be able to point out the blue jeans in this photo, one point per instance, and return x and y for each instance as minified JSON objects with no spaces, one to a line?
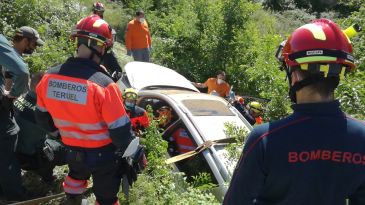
{"x":141,"y":54}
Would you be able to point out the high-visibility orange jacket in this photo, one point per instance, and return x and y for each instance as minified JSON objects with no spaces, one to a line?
{"x":137,"y":35}
{"x":183,"y":142}
{"x":84,"y":104}
{"x":138,"y":118}
{"x":259,"y":120}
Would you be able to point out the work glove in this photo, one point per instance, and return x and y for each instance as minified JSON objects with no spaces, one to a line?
{"x":129,"y":53}
{"x":150,"y":49}
{"x":132,"y":165}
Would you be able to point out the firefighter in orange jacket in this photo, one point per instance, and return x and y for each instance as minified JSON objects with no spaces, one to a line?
{"x":138,"y":38}
{"x":81,"y":102}
{"x":138,"y":115}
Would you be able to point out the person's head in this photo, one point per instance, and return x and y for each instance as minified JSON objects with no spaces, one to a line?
{"x":315,"y":57}
{"x":26,"y":40}
{"x":130,"y":96}
{"x":255,"y":108}
{"x":93,"y":38}
{"x":98,"y":9}
{"x":34,"y":80}
{"x":140,"y":16}
{"x":221,"y":76}
{"x":164,"y":115}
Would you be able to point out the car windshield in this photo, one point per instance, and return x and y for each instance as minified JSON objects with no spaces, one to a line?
{"x":199,"y":107}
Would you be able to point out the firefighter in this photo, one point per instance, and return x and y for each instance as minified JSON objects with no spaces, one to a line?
{"x":316,"y":155}
{"x":98,"y":9}
{"x":137,"y":115}
{"x":110,"y":62}
{"x":81,"y":102}
{"x":25,"y":40}
{"x":255,"y":109}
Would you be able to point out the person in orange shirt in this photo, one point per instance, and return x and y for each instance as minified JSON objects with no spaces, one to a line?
{"x":138,"y":38}
{"x":216,"y":85}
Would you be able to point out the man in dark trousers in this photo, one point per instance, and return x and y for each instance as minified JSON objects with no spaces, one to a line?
{"x":25,"y":40}
{"x":33,"y":142}
{"x":316,"y":155}
{"x":81,"y":102}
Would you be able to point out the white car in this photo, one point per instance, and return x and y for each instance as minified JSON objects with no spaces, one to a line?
{"x":203,"y":116}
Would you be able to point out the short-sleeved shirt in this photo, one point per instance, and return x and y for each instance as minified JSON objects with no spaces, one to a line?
{"x":222,"y":89}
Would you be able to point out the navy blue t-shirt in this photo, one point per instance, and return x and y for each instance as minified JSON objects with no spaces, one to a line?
{"x":316,"y":156}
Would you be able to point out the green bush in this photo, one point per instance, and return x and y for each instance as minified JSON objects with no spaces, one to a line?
{"x":159,"y":184}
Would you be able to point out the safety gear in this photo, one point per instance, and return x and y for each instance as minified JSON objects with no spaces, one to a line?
{"x":256,"y":107}
{"x":130,"y":93}
{"x":164,"y":116}
{"x":137,"y":36}
{"x":321,"y":41}
{"x":55,"y":151}
{"x":241,"y":100}
{"x":95,"y":113}
{"x":319,"y":48}
{"x":139,"y":118}
{"x":352,"y":30}
{"x":129,"y":105}
{"x":98,"y":6}
{"x":142,"y":20}
{"x":220,"y":81}
{"x":183,"y":141}
{"x":92,"y":31}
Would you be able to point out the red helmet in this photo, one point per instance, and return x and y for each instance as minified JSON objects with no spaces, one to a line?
{"x":95,"y":29}
{"x":97,"y":6}
{"x":320,"y":42}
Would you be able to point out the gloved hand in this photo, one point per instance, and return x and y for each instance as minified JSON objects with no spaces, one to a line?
{"x":129,"y":53}
{"x":139,"y":160}
{"x":150,"y":49}
{"x":133,"y":165}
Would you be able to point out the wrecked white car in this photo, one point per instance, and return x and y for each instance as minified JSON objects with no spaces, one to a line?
{"x":201,"y":116}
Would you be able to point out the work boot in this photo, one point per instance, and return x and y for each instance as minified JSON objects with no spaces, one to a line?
{"x":72,"y":199}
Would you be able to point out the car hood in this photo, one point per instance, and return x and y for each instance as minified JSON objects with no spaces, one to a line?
{"x":146,"y":76}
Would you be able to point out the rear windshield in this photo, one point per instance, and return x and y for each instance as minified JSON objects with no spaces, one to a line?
{"x":207,"y":108}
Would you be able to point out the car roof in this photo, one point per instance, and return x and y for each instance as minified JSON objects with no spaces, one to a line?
{"x":144,"y":76}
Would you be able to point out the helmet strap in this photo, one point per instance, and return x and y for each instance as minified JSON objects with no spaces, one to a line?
{"x":301,"y":84}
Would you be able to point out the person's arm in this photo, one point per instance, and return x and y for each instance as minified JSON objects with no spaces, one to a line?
{"x":149,"y":40}
{"x":201,"y":85}
{"x":42,"y":116}
{"x":249,"y":176}
{"x":15,"y":66}
{"x":128,"y":38}
{"x":145,"y":122}
{"x":114,"y":114}
{"x":359,"y":197}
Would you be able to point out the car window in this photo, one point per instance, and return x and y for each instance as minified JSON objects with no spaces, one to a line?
{"x":200,"y":107}
{"x":180,"y":141}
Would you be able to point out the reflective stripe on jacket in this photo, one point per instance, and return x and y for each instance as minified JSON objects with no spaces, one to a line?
{"x":85,"y":104}
{"x":183,"y":141}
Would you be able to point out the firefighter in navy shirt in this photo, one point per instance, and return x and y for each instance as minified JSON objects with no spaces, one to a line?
{"x":316,"y":155}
